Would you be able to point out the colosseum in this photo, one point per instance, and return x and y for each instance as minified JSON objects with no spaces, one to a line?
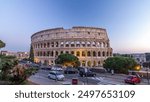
{"x":90,"y":44}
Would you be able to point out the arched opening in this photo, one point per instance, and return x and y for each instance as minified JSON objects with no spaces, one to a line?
{"x":88,"y":53}
{"x":62,"y":44}
{"x":67,"y":44}
{"x":56,"y":53}
{"x":94,"y":54}
{"x":89,"y":63}
{"x":72,"y":52}
{"x":88,"y":44}
{"x":94,"y":63}
{"x":72,"y":44}
{"x":99,"y":53}
{"x":83,"y":54}
{"x":78,"y":53}
{"x":83,"y":44}
{"x":83,"y":63}
{"x":103,"y":54}
{"x":77,"y":44}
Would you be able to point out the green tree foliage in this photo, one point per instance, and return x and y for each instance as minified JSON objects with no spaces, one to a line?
{"x":6,"y":65}
{"x":120,"y":64}
{"x":2,"y":44}
{"x":31,"y":57}
{"x":69,"y":59}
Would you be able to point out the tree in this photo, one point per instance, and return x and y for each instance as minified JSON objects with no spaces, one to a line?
{"x":68,"y":60}
{"x":31,"y":57}
{"x":120,"y":64}
{"x":2,"y":44}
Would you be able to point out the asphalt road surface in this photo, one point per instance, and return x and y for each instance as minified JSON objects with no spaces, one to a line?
{"x":41,"y":78}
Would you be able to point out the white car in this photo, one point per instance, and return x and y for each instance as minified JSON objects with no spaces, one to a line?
{"x":56,"y":75}
{"x":56,"y":69}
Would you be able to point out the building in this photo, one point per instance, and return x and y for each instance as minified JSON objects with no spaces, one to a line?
{"x":18,"y":55}
{"x":90,"y":44}
{"x":139,"y":57}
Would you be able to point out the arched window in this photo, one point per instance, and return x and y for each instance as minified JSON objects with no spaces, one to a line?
{"x":83,"y":43}
{"x":89,"y":63}
{"x":38,"y":54}
{"x":41,"y":53}
{"x":88,"y":44}
{"x":107,"y":53}
{"x":88,"y":53}
{"x":52,"y":53}
{"x":78,"y":53}
{"x":77,"y":44}
{"x":56,"y":53}
{"x":44,"y":54}
{"x":48,"y":44}
{"x":99,"y":53}
{"x":57,"y":44}
{"x":110,"y":53}
{"x":67,"y":52}
{"x":48,"y":53}
{"x":61,"y":52}
{"x":67,"y":44}
{"x":52,"y":44}
{"x":62,"y":44}
{"x":44,"y":45}
{"x":94,"y":63}
{"x":83,"y":63}
{"x":103,"y":54}
{"x":83,"y":54}
{"x":72,"y":52}
{"x":72,"y":44}
{"x":98,"y":44}
{"x":93,"y":44}
{"x":94,"y":53}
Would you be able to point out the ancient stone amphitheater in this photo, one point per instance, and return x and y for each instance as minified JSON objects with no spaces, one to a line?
{"x":90,"y":44}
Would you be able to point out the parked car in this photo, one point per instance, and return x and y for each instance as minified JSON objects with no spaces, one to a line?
{"x":54,"y":68}
{"x":86,"y":72}
{"x":70,"y":70}
{"x":132,"y":79}
{"x":56,"y":75}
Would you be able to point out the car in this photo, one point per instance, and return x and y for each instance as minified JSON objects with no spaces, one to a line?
{"x":54,"y":68}
{"x":86,"y":72}
{"x":70,"y":70}
{"x":56,"y":75}
{"x":132,"y":79}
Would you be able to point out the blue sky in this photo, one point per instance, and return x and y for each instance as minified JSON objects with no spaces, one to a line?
{"x":127,"y":21}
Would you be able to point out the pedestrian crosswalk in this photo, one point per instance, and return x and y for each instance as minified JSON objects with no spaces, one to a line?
{"x":98,"y":78}
{"x":105,"y":81}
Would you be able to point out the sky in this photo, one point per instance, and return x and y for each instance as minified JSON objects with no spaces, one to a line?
{"x":127,"y":21}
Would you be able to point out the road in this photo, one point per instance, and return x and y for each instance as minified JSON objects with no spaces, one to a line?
{"x":100,"y":79}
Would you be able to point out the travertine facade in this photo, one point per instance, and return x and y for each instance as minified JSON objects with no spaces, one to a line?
{"x":89,"y":44}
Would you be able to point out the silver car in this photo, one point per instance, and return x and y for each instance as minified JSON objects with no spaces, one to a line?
{"x":56,"y":75}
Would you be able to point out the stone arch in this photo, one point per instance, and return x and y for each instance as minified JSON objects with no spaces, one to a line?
{"x":89,"y":53}
{"x":94,"y":53}
{"x":99,"y":53}
{"x":83,"y":54}
{"x":78,"y":53}
{"x":89,"y":63}
{"x":103,"y":53}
